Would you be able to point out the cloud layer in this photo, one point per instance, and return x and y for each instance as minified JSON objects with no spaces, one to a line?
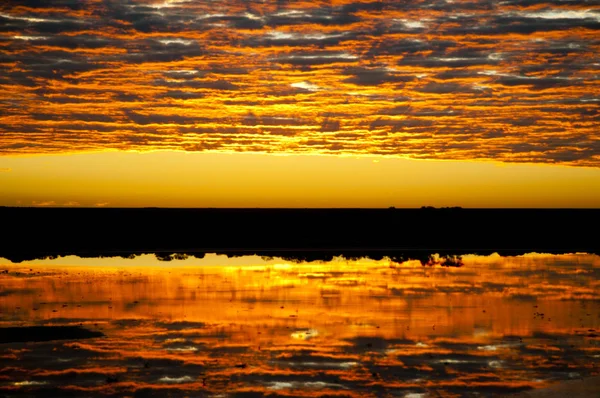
{"x":513,"y":81}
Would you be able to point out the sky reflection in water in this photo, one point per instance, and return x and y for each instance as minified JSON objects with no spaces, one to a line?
{"x":248,"y":326}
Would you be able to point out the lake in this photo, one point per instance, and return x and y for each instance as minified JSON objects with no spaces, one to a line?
{"x":252,"y":326}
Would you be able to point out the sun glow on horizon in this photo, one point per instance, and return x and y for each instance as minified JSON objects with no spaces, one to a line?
{"x":180,"y":179}
{"x":345,"y":103}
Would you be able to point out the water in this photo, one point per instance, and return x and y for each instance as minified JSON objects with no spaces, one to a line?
{"x":249,"y":326}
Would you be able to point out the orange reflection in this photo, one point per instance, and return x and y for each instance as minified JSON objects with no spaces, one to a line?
{"x":351,"y":328}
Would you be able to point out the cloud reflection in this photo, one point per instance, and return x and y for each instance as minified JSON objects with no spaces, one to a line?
{"x":268,"y":328}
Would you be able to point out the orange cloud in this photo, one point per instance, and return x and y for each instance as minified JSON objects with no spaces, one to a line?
{"x":498,"y":81}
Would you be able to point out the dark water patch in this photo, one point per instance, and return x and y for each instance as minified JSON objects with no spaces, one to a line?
{"x":45,"y":333}
{"x":390,"y":373}
{"x":306,"y":360}
{"x":18,"y":292}
{"x":522,"y":297}
{"x":316,"y":380}
{"x":361,"y":344}
{"x":182,"y":325}
{"x":67,"y":322}
{"x":485,"y":389}
{"x":173,"y":392}
{"x":130,"y":322}
{"x":229,"y":350}
{"x":34,"y":391}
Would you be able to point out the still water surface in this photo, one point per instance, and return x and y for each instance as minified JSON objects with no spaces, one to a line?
{"x":251,"y":327}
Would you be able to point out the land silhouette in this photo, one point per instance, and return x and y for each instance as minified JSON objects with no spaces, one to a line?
{"x":295,"y":234}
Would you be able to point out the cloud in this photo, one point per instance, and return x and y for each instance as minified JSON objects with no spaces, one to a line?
{"x":446,"y":88}
{"x":43,"y":203}
{"x":376,"y":76}
{"x":141,"y":75}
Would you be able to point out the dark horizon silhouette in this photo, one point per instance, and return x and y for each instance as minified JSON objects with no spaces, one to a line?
{"x":300,"y":234}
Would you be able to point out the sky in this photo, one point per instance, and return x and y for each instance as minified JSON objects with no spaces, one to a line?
{"x":275,"y":103}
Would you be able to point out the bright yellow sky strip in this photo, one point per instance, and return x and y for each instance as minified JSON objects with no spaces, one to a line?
{"x":180,"y":179}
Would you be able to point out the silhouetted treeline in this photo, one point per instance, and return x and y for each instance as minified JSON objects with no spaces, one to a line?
{"x":430,"y":258}
{"x":295,"y":234}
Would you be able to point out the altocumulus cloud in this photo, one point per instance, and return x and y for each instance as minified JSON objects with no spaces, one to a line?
{"x":514,"y":81}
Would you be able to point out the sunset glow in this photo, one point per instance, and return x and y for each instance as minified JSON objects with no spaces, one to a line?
{"x":307,"y":198}
{"x":461,"y":80}
{"x":176,"y":179}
